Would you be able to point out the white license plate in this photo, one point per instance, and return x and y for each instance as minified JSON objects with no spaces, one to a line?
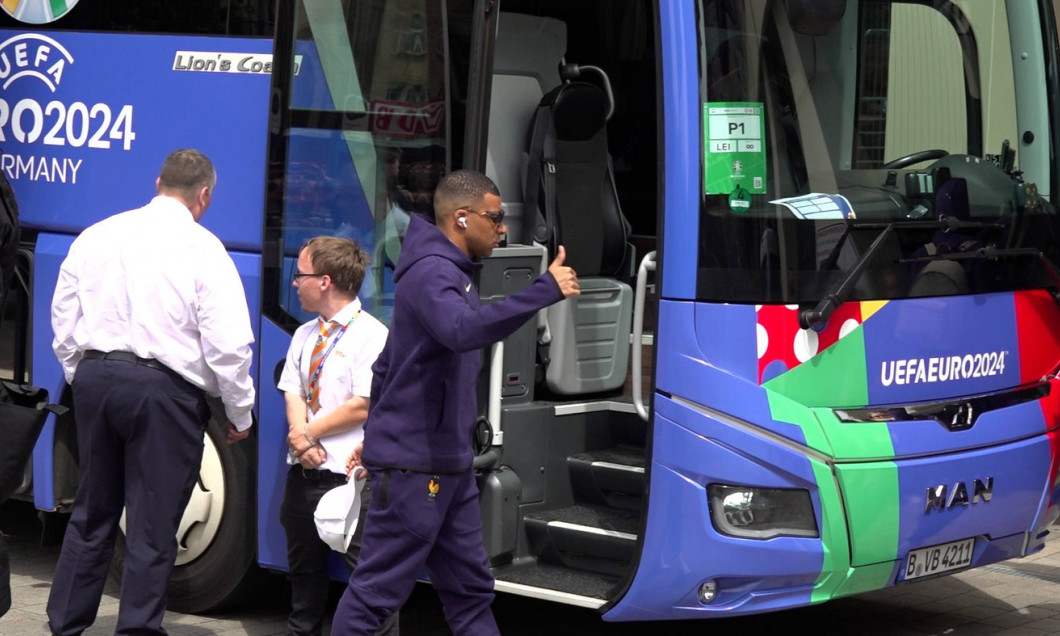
{"x":939,"y":558}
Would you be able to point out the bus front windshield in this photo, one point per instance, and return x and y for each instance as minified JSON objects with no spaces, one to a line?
{"x":884,"y":149}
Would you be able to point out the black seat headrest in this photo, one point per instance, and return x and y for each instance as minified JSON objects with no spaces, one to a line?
{"x":579,"y":111}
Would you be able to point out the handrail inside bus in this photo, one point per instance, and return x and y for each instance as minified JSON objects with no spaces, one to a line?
{"x":496,"y":388}
{"x":544,"y":334}
{"x":646,"y":264}
{"x":489,"y":456}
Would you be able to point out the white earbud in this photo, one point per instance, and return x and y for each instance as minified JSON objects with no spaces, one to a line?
{"x":462,"y":222}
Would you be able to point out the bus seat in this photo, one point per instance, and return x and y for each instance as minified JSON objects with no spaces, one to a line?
{"x":525,"y":67}
{"x":940,"y":278}
{"x":570,"y":196}
{"x":570,"y":182}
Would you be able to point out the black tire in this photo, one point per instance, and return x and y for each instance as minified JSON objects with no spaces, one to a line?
{"x":217,"y":555}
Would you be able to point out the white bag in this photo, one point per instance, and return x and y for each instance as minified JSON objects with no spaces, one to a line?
{"x":337,"y":512}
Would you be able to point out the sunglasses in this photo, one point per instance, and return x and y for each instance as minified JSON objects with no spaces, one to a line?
{"x":495,"y":216}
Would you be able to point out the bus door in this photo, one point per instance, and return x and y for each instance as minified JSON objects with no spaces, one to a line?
{"x":374,"y":101}
{"x":360,"y":134}
{"x":570,"y":112}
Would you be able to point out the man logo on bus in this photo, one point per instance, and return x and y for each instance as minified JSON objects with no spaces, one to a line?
{"x":37,"y":11}
{"x":940,"y":497}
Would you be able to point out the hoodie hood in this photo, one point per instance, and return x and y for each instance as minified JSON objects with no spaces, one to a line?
{"x":423,"y":240}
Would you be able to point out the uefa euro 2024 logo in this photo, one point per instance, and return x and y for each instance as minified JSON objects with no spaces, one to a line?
{"x":37,"y":11}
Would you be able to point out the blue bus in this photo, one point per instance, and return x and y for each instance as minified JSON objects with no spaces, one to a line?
{"x":817,"y":343}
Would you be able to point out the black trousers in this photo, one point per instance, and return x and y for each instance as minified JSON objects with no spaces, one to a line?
{"x":140,"y":438}
{"x":307,"y":555}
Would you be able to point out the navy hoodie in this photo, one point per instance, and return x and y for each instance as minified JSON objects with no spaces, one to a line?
{"x":423,"y":403}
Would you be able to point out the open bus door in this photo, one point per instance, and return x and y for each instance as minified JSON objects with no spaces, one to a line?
{"x":377,"y":101}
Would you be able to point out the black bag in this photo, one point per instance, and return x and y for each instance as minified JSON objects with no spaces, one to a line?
{"x":23,"y":409}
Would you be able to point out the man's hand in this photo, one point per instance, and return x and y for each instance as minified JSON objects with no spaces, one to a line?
{"x":298,"y":443}
{"x":565,"y":276}
{"x":314,"y":457}
{"x":354,"y":460}
{"x":235,"y":435}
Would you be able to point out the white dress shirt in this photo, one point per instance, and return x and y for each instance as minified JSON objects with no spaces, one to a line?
{"x":346,"y":373}
{"x":154,"y":282}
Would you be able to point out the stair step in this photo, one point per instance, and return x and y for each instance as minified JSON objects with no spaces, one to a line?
{"x":610,"y":477}
{"x":555,"y":582}
{"x":591,"y":538}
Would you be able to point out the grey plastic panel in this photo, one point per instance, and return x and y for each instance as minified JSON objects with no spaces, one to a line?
{"x":590,"y":338}
{"x":499,"y":505}
{"x":507,"y":271}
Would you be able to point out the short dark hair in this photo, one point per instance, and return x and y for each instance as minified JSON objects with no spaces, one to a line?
{"x":461,"y":188}
{"x":343,"y":260}
{"x":185,"y":172}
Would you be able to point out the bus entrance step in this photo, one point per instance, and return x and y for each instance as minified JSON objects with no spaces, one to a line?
{"x":556,"y":578}
{"x":591,"y":538}
{"x":610,"y":477}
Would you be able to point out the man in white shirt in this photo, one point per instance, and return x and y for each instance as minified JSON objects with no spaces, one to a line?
{"x":326,"y":383}
{"x":150,"y":317}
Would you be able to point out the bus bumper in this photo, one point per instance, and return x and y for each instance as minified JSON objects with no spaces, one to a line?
{"x":865,"y":537}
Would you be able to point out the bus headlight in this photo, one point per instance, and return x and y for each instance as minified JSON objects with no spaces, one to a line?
{"x":761,"y":513}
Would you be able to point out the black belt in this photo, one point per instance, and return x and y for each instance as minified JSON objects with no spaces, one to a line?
{"x":316,"y":474}
{"x":131,"y":358}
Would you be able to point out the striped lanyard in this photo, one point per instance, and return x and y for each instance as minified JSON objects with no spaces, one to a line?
{"x":314,"y":377}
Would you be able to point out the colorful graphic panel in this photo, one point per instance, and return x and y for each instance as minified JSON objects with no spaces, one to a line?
{"x":908,"y":351}
{"x":929,"y":349}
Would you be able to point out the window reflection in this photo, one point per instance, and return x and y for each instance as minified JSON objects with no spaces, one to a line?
{"x":369,"y":140}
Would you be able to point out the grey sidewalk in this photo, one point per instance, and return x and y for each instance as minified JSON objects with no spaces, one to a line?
{"x":31,"y":576}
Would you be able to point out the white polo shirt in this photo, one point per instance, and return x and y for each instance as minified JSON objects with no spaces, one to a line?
{"x":346,"y":373}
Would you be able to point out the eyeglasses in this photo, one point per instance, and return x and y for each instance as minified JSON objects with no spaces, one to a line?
{"x":495,"y":216}
{"x":297,"y":276}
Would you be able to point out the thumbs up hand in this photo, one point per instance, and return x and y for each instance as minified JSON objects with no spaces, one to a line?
{"x":565,"y":276}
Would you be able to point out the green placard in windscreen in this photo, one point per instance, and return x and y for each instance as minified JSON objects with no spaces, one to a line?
{"x":734,"y":149}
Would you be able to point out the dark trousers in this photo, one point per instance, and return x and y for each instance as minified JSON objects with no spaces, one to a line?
{"x":307,"y":555}
{"x":140,"y":438}
{"x":418,"y":521}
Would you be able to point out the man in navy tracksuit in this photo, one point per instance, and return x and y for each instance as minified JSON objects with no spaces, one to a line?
{"x":425,"y":512}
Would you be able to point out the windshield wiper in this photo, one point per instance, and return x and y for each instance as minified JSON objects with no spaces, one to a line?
{"x":994,"y":253}
{"x":946,"y":224}
{"x":840,"y":292}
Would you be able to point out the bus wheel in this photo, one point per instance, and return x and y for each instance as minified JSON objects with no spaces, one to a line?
{"x":215,"y":540}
